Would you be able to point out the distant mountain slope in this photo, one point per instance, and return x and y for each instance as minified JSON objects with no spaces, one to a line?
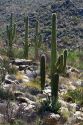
{"x":69,"y":14}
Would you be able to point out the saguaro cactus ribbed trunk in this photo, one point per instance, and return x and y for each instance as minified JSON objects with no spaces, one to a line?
{"x":65,"y":59}
{"x":26,"y":46}
{"x":54,"y":77}
{"x":53,"y":45}
{"x":36,"y":39}
{"x":42,"y":71}
{"x":54,"y":88}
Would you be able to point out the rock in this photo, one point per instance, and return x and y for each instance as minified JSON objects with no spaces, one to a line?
{"x":25,"y":100}
{"x":1,"y":118}
{"x":10,"y":79}
{"x":47,"y":91}
{"x":71,"y":107}
{"x":33,"y":91}
{"x":27,"y":112}
{"x":22,"y":62}
{"x":25,"y":79}
{"x":3,"y":107}
{"x":75,"y":70}
{"x":79,"y":116}
{"x":31,"y":97}
{"x":51,"y":119}
{"x":18,"y":93}
{"x":31,"y":74}
{"x":78,"y":83}
{"x":22,"y":67}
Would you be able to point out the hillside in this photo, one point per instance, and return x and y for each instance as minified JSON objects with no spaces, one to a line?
{"x":41,"y":62}
{"x":69,"y":13}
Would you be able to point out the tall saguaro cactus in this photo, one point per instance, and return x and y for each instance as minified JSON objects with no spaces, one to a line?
{"x":42,"y":71}
{"x":11,"y":34}
{"x":26,"y":44}
{"x":54,"y":77}
{"x":36,"y":39}
{"x":65,"y":59}
{"x":54,"y":92}
{"x":53,"y":45}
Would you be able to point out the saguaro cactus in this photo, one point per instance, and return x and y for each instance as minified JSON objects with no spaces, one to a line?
{"x":11,"y":33}
{"x":65,"y":59}
{"x":54,"y":77}
{"x":53,"y":45}
{"x":54,"y":88}
{"x":26,"y":45}
{"x":36,"y":39}
{"x":42,"y":71}
{"x":61,"y":64}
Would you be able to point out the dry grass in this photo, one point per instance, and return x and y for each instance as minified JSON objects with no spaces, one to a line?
{"x":34,"y":84}
{"x":19,"y":75}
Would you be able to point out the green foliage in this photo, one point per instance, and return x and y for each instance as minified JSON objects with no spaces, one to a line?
{"x":75,"y":58}
{"x":47,"y":106}
{"x":26,"y":45}
{"x":76,"y":95}
{"x":11,"y":34}
{"x":42,"y":71}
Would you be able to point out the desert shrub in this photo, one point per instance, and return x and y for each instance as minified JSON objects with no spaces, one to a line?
{"x":12,"y":69}
{"x":18,"y":53}
{"x":75,"y":58}
{"x":46,"y":105}
{"x":76,"y":95}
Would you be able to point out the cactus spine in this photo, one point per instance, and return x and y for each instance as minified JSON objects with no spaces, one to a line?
{"x":11,"y":34}
{"x":42,"y":71}
{"x":26,"y":46}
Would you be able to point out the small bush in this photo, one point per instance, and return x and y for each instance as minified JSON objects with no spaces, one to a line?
{"x":76,"y":95}
{"x":47,"y":106}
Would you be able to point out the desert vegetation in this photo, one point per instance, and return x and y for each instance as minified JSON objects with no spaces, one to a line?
{"x":40,"y":84}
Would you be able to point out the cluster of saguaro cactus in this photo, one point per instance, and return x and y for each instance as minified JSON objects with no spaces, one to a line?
{"x":58,"y":65}
{"x":42,"y":71}
{"x":11,"y":33}
{"x":26,"y":44}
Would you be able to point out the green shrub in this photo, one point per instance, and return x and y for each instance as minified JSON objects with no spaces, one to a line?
{"x":76,"y":95}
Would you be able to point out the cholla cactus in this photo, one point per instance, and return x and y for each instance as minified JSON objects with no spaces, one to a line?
{"x":11,"y":35}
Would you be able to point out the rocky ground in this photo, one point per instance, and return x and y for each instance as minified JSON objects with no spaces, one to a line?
{"x":27,"y":102}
